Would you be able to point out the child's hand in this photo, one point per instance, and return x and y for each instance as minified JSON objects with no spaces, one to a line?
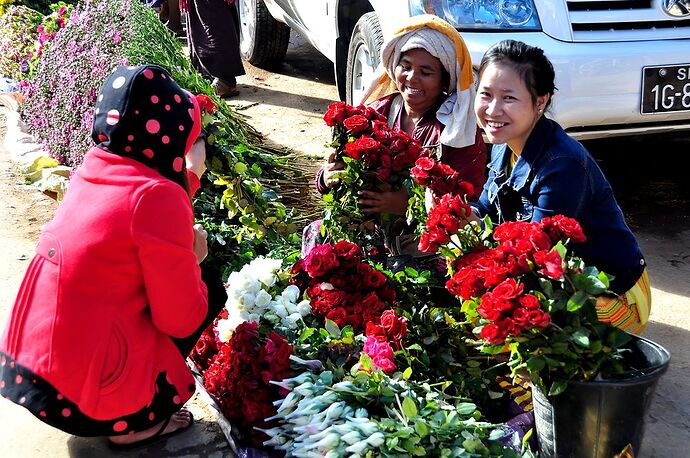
{"x":393,"y":202}
{"x":200,"y":245}
{"x":196,"y":158}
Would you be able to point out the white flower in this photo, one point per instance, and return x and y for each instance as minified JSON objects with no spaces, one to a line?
{"x":291,"y":320}
{"x":278,"y":309}
{"x":376,"y":439}
{"x":225,"y":329}
{"x":264,"y":270}
{"x":248,"y":300}
{"x":253,"y":286}
{"x":291,"y":293}
{"x":262,"y":299}
{"x":304,"y":308}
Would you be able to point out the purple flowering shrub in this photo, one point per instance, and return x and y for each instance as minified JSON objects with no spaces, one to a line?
{"x":62,"y":94}
{"x":17,"y":35}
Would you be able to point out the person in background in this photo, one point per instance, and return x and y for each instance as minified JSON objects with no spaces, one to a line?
{"x":424,"y":87}
{"x":170,"y":16}
{"x":213,"y":35}
{"x":95,"y":344}
{"x":537,"y":170}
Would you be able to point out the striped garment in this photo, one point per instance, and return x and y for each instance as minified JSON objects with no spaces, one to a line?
{"x":629,"y":311}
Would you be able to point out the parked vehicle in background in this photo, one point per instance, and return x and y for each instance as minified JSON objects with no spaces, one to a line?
{"x":622,"y":66}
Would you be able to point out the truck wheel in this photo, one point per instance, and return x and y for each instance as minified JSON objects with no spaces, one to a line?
{"x":363,"y":56}
{"x":263,"y":40}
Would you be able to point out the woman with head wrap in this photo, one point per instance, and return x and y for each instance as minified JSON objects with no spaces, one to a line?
{"x":89,"y":346}
{"x":424,"y":87}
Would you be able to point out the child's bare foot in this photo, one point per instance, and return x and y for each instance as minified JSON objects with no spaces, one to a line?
{"x":178,"y":422}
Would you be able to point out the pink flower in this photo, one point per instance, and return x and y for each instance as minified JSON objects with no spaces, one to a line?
{"x":381,"y":353}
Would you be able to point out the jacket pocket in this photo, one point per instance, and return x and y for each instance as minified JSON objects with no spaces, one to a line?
{"x":115,"y":359}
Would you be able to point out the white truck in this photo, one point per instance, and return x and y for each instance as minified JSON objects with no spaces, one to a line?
{"x":622,"y":66}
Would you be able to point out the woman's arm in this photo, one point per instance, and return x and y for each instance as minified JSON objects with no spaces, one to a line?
{"x":162,"y":229}
{"x":562,"y":187}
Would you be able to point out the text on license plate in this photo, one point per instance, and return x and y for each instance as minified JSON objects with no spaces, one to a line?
{"x":665,"y":89}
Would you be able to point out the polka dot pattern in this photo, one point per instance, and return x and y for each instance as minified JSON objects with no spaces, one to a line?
{"x":113,"y":117}
{"x":120,"y":426}
{"x":143,"y":114}
{"x":153,"y":126}
{"x":119,"y":82}
{"x":41,"y":399}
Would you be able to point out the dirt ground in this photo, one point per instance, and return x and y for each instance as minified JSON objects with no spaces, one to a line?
{"x":287,"y":107}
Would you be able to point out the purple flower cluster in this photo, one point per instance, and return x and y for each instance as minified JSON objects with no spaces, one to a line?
{"x":61,"y":96}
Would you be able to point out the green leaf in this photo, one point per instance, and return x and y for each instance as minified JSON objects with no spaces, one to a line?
{"x":577,"y":300}
{"x":421,"y":428}
{"x":307,"y":333}
{"x":409,"y":407}
{"x":558,"y":387}
{"x":407,"y":373}
{"x":240,"y":168}
{"x":465,"y":408}
{"x":535,"y":364}
{"x":332,"y":328}
{"x":581,"y":337}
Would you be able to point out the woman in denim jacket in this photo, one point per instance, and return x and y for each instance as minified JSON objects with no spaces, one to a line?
{"x":537,"y":170}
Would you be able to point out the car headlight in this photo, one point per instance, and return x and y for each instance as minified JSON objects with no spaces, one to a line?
{"x":481,"y":14}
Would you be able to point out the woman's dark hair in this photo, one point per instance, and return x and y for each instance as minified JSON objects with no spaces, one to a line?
{"x":445,"y":80}
{"x":529,"y":62}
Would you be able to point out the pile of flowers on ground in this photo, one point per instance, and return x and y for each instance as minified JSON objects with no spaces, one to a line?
{"x":376,"y":158}
{"x":375,"y":383}
{"x":342,"y":287}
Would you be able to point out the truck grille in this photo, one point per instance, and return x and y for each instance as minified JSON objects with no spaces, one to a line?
{"x":624,"y":20}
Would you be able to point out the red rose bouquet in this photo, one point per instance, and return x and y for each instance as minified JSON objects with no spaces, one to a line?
{"x":526,"y":292}
{"x":376,"y":158}
{"x":342,"y":287}
{"x":239,"y":375}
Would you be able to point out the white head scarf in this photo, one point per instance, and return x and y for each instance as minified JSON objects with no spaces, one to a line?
{"x":442,"y":41}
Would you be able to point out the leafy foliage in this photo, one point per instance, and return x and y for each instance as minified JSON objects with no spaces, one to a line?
{"x":17,"y":36}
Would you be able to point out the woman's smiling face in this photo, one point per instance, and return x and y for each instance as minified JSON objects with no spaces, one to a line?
{"x":418,"y":77}
{"x":505,"y":108}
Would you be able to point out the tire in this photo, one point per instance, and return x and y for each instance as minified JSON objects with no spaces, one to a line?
{"x":363,"y":56}
{"x":263,"y":40}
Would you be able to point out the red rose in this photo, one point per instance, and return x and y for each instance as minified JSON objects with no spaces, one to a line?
{"x":560,"y":227}
{"x":508,"y":289}
{"x":373,"y":279}
{"x":551,"y":262}
{"x":320,"y":260}
{"x":539,"y":318}
{"x":335,"y":114}
{"x":494,"y":334}
{"x":394,"y":326}
{"x":529,"y":301}
{"x":348,"y":253}
{"x":324,"y":300}
{"x":205,"y":103}
{"x":339,"y":316}
{"x":356,"y":124}
{"x":354,"y":150}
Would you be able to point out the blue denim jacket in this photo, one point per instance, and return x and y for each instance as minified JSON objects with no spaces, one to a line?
{"x":556,"y":175}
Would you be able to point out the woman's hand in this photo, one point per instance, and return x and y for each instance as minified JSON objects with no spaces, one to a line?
{"x":200,"y":244}
{"x":392,"y":202}
{"x":196,"y":158}
{"x":331,"y":169}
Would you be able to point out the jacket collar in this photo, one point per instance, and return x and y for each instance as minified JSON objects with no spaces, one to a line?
{"x":534,"y":148}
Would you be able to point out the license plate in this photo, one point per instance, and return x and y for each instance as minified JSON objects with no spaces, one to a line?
{"x":665,"y":89}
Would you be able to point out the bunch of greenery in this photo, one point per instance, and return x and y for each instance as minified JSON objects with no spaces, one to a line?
{"x":17,"y":36}
{"x":239,"y":203}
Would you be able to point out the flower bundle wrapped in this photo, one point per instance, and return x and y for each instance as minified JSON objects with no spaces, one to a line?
{"x":259,"y":292}
{"x":342,"y":287}
{"x":376,"y":158}
{"x":523,"y":288}
{"x":239,"y":375}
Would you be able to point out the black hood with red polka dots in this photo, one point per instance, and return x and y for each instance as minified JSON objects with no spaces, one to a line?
{"x":143,"y":114}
